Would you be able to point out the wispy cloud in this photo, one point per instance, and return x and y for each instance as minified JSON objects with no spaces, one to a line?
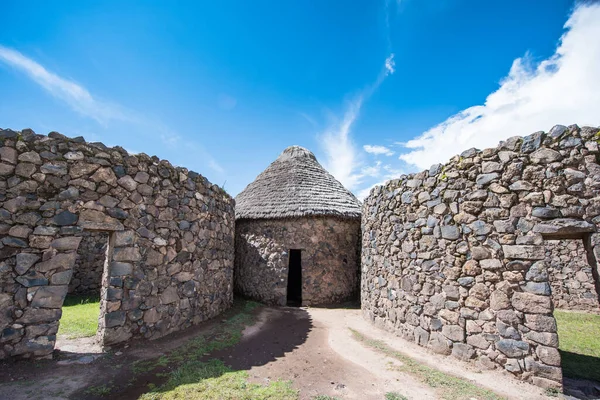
{"x":390,"y":64}
{"x":343,"y":159}
{"x":82,"y":101}
{"x":563,"y":89}
{"x":378,"y":150}
{"x":75,"y":95}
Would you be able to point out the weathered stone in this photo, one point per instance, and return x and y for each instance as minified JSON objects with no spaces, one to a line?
{"x":454,"y":333}
{"x":59,"y":261}
{"x":65,"y":218}
{"x":439,"y":344}
{"x":463,"y":351}
{"x":523,"y":252}
{"x":66,"y":243}
{"x":563,"y":226}
{"x":545,"y":156}
{"x":512,"y":348}
{"x":49,"y":297}
{"x":532,"y":303}
{"x":25,"y":261}
{"x":548,"y":355}
{"x":450,"y":232}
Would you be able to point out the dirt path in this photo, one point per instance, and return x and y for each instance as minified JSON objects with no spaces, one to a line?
{"x":313,"y":348}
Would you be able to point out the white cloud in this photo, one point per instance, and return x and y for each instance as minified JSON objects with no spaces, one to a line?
{"x":341,"y":154}
{"x":390,"y":65}
{"x":343,"y":159}
{"x":76,"y":96}
{"x":563,"y":89}
{"x":376,"y":149}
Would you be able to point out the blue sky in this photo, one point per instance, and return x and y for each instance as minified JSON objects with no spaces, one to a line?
{"x":373,"y":88}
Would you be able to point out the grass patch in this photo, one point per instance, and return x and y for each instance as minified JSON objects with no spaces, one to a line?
{"x":193,"y":377}
{"x":79,"y":316}
{"x":578,"y":344}
{"x":214,"y":380}
{"x":448,"y":386}
{"x":395,"y":396}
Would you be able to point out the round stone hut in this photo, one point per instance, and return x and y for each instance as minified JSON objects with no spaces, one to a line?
{"x":297,"y":237}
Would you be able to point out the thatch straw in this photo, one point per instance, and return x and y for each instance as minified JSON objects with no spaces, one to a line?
{"x":295,"y":185}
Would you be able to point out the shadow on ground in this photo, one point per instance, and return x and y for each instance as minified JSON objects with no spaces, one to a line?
{"x":581,"y":375}
{"x":280,"y":331}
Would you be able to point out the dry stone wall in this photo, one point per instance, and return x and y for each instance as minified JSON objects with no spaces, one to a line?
{"x":330,"y":258}
{"x":570,"y":275}
{"x":453,"y":258}
{"x":170,"y":252}
{"x":89,"y":264}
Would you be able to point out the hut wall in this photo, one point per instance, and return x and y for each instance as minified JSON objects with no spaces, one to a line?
{"x":330,"y":258}
{"x":454,"y":258}
{"x":170,"y":252}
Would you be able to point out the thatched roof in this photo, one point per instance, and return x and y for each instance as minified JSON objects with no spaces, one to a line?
{"x":295,"y":185}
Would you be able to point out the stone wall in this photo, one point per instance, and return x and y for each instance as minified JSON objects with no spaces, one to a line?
{"x":89,"y":264}
{"x":330,"y":258}
{"x":570,"y":275}
{"x":453,"y":258}
{"x":170,"y":255}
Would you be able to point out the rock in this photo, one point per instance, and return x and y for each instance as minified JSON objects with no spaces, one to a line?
{"x":120,"y":268}
{"x":512,"y":348}
{"x":531,"y":303}
{"x":484,"y":179}
{"x":545,"y":156}
{"x":59,"y":261}
{"x":524,"y":252}
{"x":499,"y":300}
{"x":557,"y":131}
{"x":66,"y":243}
{"x":537,"y":272}
{"x":491,"y":264}
{"x":548,"y":355}
{"x":532,"y":142}
{"x":545,"y":338}
{"x":463,"y":351}
{"x":563,"y":226}
{"x":450,"y":232}
{"x":454,"y":333}
{"x":65,"y":218}
{"x":169,"y":295}
{"x":542,"y":288}
{"x":128,"y":183}
{"x":25,"y":261}
{"x":439,"y":344}
{"x":546,"y":212}
{"x":49,"y":297}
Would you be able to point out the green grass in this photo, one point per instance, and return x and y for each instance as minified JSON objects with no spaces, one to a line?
{"x":79,"y":316}
{"x":395,"y":396}
{"x":579,"y":344}
{"x":448,"y":386}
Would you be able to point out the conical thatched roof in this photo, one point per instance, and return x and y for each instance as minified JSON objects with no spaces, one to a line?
{"x":295,"y":185}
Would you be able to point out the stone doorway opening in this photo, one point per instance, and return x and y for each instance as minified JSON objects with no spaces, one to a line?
{"x":82,"y":323}
{"x":294,"y":285}
{"x":574,"y":288}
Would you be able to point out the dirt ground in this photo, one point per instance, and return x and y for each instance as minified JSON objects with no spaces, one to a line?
{"x":311,"y":347}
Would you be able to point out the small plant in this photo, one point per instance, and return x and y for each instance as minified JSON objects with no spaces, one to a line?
{"x":552,"y":392}
{"x":100,"y":390}
{"x":395,"y":396}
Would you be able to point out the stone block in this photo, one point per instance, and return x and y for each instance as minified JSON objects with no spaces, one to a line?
{"x":512,"y":348}
{"x":531,"y":303}
{"x":454,"y":333}
{"x":59,"y":261}
{"x":524,"y":252}
{"x":49,"y":296}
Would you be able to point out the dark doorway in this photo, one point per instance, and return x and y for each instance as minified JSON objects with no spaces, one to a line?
{"x":294,"y":286}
